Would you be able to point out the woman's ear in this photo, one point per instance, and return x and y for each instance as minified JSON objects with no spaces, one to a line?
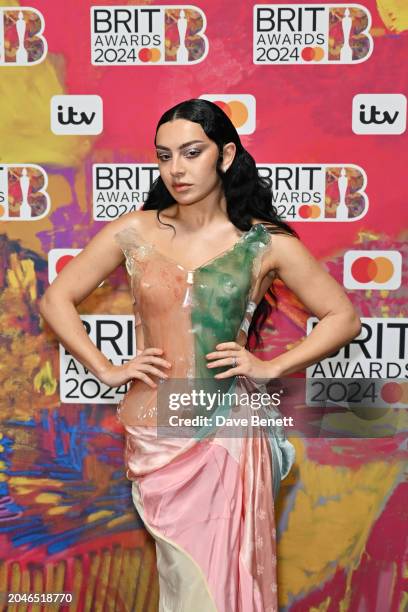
{"x":228,"y":154}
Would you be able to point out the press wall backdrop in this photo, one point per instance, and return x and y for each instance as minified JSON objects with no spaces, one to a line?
{"x":318,"y":95}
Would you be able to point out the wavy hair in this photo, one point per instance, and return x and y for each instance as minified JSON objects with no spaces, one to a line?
{"x":248,"y":195}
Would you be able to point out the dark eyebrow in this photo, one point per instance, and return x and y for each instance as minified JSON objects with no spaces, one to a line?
{"x":185,"y":144}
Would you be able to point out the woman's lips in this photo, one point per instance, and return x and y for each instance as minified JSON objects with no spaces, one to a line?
{"x":181,"y":186}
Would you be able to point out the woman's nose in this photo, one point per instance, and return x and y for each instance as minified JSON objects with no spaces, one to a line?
{"x":176,"y":166}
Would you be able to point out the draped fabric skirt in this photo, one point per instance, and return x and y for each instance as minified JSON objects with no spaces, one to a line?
{"x":211,"y":514}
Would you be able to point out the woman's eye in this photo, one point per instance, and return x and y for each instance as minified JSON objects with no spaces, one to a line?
{"x":194,"y":151}
{"x":164,"y":157}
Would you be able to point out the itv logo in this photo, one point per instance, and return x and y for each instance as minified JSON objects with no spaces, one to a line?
{"x":76,"y":115}
{"x":379,"y":114}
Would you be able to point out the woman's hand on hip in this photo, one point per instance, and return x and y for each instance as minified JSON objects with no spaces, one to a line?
{"x":138,"y":367}
{"x":241,"y":362}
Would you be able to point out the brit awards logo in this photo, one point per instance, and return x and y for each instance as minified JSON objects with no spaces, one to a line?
{"x":114,"y":336}
{"x":147,"y":35}
{"x":310,"y":34}
{"x":120,"y":188}
{"x":21,"y":40}
{"x":23,"y":195}
{"x":240,"y":108}
{"x":317,"y":192}
{"x":375,"y":362}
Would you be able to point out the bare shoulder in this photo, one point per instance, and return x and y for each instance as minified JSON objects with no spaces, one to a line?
{"x":288,"y":252}
{"x":283,"y":246}
{"x":139,"y":220}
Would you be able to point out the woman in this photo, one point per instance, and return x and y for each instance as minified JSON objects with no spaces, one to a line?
{"x":201,"y":255}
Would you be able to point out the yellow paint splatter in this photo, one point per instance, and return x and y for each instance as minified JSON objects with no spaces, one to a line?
{"x":47,"y":498}
{"x":24,"y":484}
{"x":58,"y":510}
{"x":25,"y":94}
{"x":404,"y":602}
{"x":95,"y":516}
{"x":376,"y":32}
{"x":21,"y":276}
{"x":394,"y":14}
{"x":323,"y":607}
{"x":120,"y":519}
{"x":366,"y":236}
{"x":44,"y":381}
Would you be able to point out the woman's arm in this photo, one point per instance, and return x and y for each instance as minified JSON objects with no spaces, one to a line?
{"x":73,"y":284}
{"x":320,"y":293}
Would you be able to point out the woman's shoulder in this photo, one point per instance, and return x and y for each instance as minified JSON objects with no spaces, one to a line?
{"x":138,"y":220}
{"x":130,"y":228}
{"x":280,"y":238}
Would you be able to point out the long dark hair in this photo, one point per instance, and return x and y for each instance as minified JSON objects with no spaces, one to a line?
{"x":248,"y":195}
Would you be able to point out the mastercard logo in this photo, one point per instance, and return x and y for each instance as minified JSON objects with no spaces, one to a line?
{"x":312,"y":54}
{"x":378,"y":269}
{"x":309,"y":211}
{"x":240,"y":109}
{"x":372,"y":269}
{"x":395,"y":392}
{"x":236,"y":111}
{"x":146,"y":55}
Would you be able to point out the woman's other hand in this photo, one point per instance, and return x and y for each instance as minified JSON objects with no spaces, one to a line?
{"x":246,"y":363}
